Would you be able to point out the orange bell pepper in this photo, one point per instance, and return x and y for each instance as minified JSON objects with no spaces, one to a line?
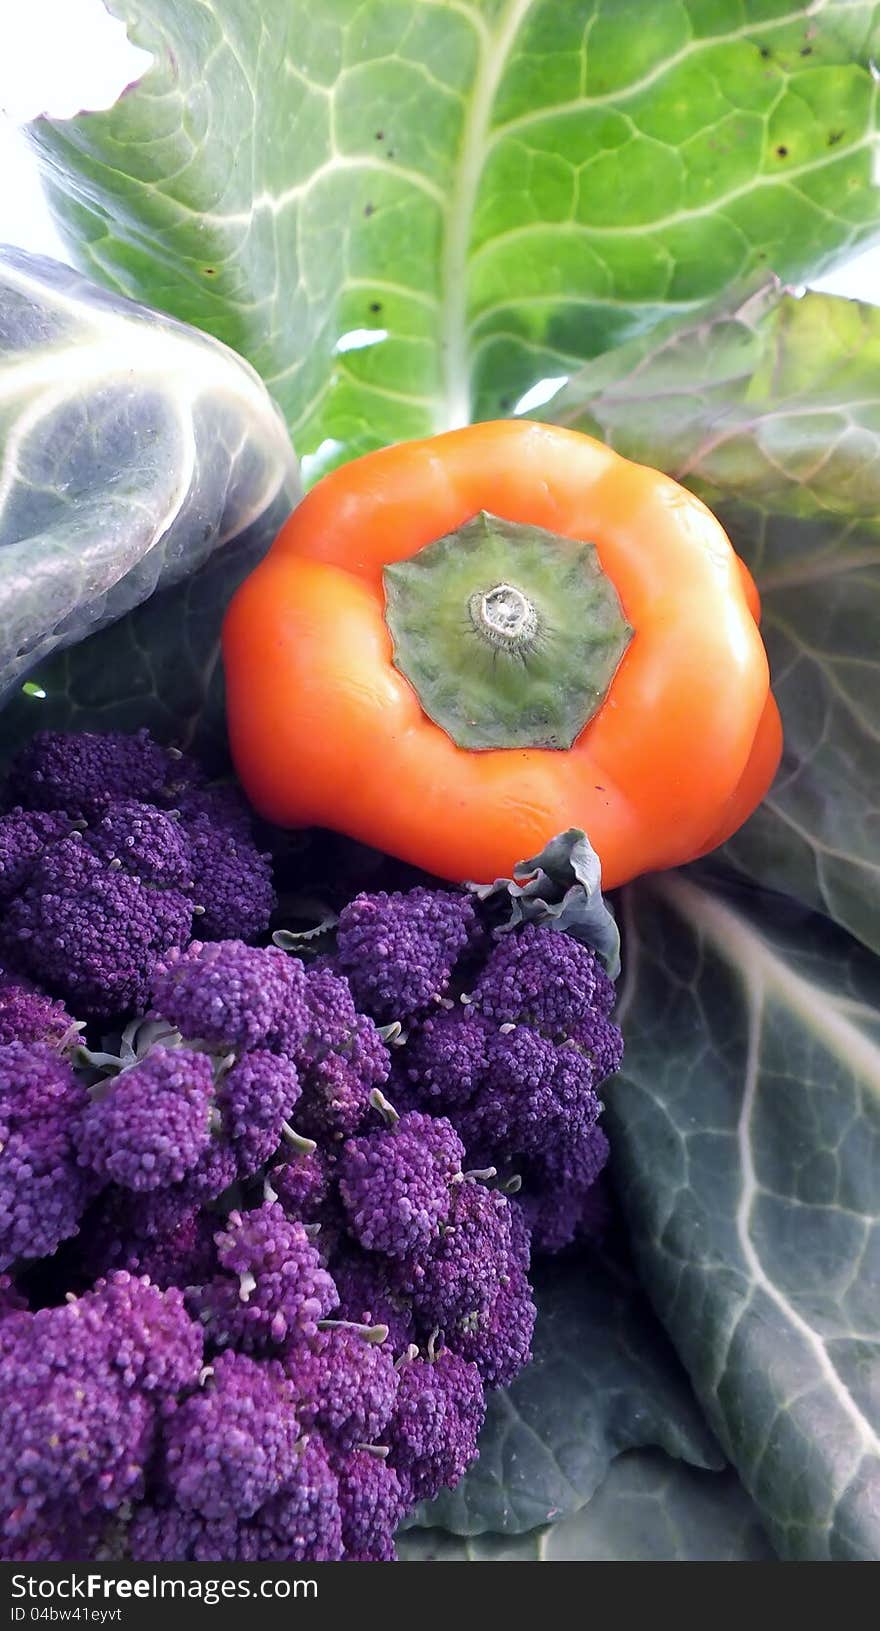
{"x":459,"y":646}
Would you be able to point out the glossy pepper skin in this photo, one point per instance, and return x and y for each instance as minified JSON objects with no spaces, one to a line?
{"x":326,"y":731}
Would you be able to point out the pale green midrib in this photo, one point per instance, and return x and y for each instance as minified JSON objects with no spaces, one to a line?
{"x":741,"y":946}
{"x":764,"y":975}
{"x":455,"y":406}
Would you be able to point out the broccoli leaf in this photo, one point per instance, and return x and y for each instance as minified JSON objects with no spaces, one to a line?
{"x":746,"y":1131}
{"x":158,"y":666}
{"x":405,"y":214}
{"x":650,"y":1509}
{"x":134,"y":451}
{"x":771,"y":412}
{"x":561,"y":887}
{"x":603,"y":1379}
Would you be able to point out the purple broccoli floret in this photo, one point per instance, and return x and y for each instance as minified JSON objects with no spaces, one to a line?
{"x":545,"y":979}
{"x":150,"y":1127}
{"x":28,"y":1015}
{"x":466,"y":1267}
{"x":436,"y":1422}
{"x":498,"y":1338}
{"x":219,"y":805}
{"x":555,"y":1193}
{"x":229,"y":995}
{"x":80,"y":1390}
{"x":367,"y":1296}
{"x":147,"y":842}
{"x":163,"y":1532}
{"x":517,"y":1068}
{"x":24,"y":835}
{"x":339,"y":1053}
{"x":371,"y":1503}
{"x":147,"y":1334}
{"x":121,"y":1233}
{"x":213,"y":1173}
{"x":234,"y":1444}
{"x":102,"y":876}
{"x":231,"y":881}
{"x":346,"y":1385}
{"x":445,"y":1059}
{"x":534,"y":1096}
{"x":399,"y":950}
{"x":91,"y":931}
{"x":274,"y":1285}
{"x":256,"y":1098}
{"x":302,"y":1182}
{"x":81,"y":772}
{"x":43,"y":1192}
{"x":304,"y":1521}
{"x":395,"y":1184}
{"x":335,"y":1100}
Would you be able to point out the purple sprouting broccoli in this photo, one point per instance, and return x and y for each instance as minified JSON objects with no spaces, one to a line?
{"x":399,"y":950}
{"x":555,"y":1197}
{"x":160,"y":1531}
{"x":371,"y":1503}
{"x":368,"y":1297}
{"x":147,"y":1335}
{"x":535,"y":1097}
{"x":463,"y":1271}
{"x":396,"y":1184}
{"x":230,"y":996}
{"x":234,"y":1444}
{"x":497,"y":1337}
{"x":147,"y":842}
{"x":82,"y":771}
{"x":518,"y":1066}
{"x":272,"y":1286}
{"x":24,"y":834}
{"x":547,"y":980}
{"x":340,"y":1056}
{"x":43,"y":1193}
{"x":61,"y":1535}
{"x":231,"y":881}
{"x":303,"y":1184}
{"x":303,"y":1522}
{"x":122,"y":1234}
{"x":28,"y":1015}
{"x":445,"y":1059}
{"x":509,"y":1114}
{"x":255,"y":1099}
{"x":102,"y":875}
{"x":81,"y":1390}
{"x":91,"y":931}
{"x":346,"y":1384}
{"x":437,"y":1418}
{"x":148,"y":1130}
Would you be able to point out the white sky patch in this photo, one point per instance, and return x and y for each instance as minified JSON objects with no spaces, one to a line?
{"x":313,"y":465}
{"x":359,"y":339}
{"x":537,"y":395}
{"x":59,"y":56}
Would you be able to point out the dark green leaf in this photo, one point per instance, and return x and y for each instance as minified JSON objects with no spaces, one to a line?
{"x":746,"y":1131}
{"x":773,"y":415}
{"x":404,"y":214}
{"x":603,"y":1379}
{"x":133,"y":452}
{"x":650,"y":1509}
{"x":158,"y":666}
{"x":561,"y":887}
